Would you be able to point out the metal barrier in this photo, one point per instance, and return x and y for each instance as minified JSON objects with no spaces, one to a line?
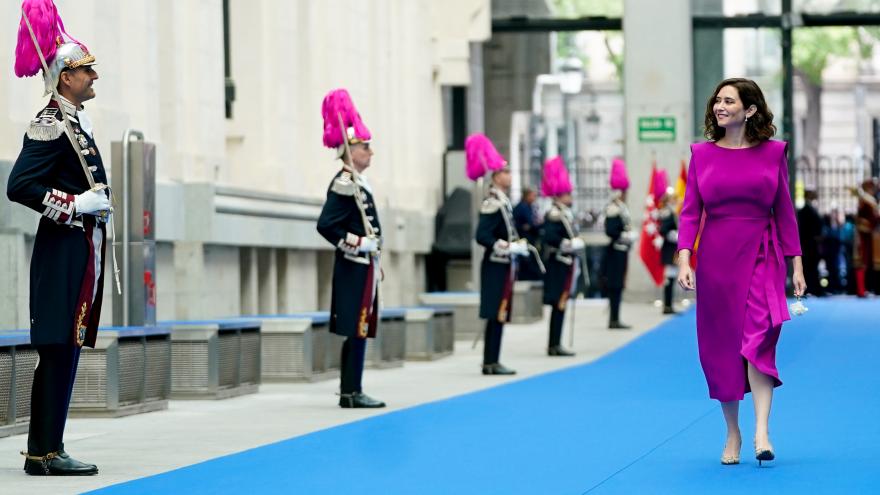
{"x":17,"y":363}
{"x":832,"y":178}
{"x":128,"y":372}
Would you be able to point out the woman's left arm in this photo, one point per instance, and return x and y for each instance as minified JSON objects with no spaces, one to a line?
{"x":783,"y":212}
{"x":786,"y":225}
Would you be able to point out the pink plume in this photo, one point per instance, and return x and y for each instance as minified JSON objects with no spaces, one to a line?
{"x":44,"y":19}
{"x":338,"y":102}
{"x":619,"y":178}
{"x":48,"y":28}
{"x":661,"y":182}
{"x":481,"y":156}
{"x":556,"y":181}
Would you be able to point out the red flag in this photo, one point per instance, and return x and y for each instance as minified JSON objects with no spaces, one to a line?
{"x":651,"y":241}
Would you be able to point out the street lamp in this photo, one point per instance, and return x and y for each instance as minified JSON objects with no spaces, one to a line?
{"x":571,"y":75}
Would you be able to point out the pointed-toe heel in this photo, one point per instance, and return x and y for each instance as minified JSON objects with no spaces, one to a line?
{"x":762,"y":455}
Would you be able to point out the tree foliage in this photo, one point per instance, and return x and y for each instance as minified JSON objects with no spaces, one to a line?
{"x":571,"y":9}
{"x":813,"y":48}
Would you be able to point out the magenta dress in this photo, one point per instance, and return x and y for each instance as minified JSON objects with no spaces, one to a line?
{"x":749,"y":229}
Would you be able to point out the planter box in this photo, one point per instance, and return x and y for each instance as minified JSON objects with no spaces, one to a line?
{"x":215,"y":359}
{"x":388,"y":349}
{"x":466,"y":311}
{"x":128,"y":372}
{"x":429,"y":333}
{"x":326,"y":346}
{"x":528,"y":301}
{"x":17,"y":363}
{"x":286,"y":348}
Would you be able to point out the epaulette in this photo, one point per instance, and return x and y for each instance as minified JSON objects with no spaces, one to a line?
{"x":46,"y":126}
{"x":555,"y":214}
{"x":343,"y":185}
{"x":612,"y":210}
{"x":490,"y":205}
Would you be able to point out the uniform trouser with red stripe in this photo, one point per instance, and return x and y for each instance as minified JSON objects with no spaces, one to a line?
{"x":50,"y":397}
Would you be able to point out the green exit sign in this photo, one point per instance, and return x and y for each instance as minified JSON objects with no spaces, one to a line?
{"x":657,"y":129}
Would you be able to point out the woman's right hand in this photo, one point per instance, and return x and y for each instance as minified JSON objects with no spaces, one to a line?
{"x":685,"y":274}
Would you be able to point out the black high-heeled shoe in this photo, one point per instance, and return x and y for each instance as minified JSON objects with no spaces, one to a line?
{"x":762,"y":455}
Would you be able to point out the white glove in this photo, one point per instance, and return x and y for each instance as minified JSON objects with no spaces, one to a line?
{"x":91,"y":202}
{"x":501,"y":247}
{"x":577,"y":244}
{"x":368,"y":245}
{"x":658,"y":243}
{"x":518,"y":249}
{"x":672,"y":236}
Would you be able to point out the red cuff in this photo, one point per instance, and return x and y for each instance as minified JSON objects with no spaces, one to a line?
{"x":60,"y":206}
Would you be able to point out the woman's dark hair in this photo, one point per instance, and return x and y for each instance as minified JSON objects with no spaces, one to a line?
{"x":759,"y":127}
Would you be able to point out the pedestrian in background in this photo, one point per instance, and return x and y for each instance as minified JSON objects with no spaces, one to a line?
{"x":810,"y":230}
{"x":528,"y":227}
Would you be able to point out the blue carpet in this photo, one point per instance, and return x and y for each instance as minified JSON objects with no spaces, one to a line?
{"x":637,"y":421}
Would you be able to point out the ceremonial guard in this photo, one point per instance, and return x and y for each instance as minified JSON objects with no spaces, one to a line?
{"x":667,"y":221}
{"x":562,"y":249}
{"x":350,"y":222}
{"x":618,"y":227}
{"x":59,"y":173}
{"x":496,"y":233}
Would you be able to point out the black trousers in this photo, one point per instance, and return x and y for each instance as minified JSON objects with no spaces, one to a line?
{"x":557,"y":317}
{"x":614,"y":298}
{"x":667,"y":293}
{"x":354,"y":350}
{"x":492,"y":341}
{"x":50,"y":397}
{"x":811,"y":273}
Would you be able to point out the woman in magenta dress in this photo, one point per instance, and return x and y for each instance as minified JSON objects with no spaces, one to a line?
{"x":739,"y":180}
